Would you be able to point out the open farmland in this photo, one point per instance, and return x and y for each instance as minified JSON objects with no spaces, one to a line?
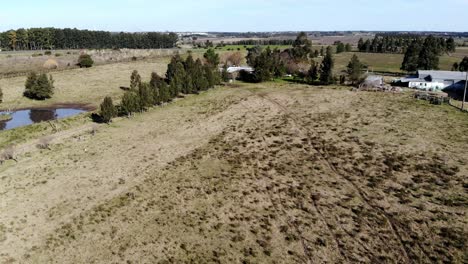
{"x":260,"y":173}
{"x":385,"y":62}
{"x":21,"y":62}
{"x":82,"y":86}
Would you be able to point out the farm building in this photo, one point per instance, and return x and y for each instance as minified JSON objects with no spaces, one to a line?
{"x":238,"y":69}
{"x":373,"y":81}
{"x":435,"y":80}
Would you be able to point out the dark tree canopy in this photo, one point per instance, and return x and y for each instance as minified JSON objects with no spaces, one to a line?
{"x":54,"y":38}
{"x":302,"y":47}
{"x":326,"y":69}
{"x":386,"y":43}
{"x":463,"y":65}
{"x":108,"y":110}
{"x":411,"y":59}
{"x":354,"y":69}
{"x":429,"y":55}
{"x":39,"y":87}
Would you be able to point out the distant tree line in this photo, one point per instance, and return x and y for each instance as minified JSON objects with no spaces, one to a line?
{"x":187,"y":76}
{"x":400,"y":43}
{"x":54,"y":38}
{"x":423,"y":54}
{"x":263,"y":42}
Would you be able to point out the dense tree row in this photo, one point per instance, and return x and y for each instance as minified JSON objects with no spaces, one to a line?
{"x":422,"y":54}
{"x":54,"y":38}
{"x":400,"y":43}
{"x":187,"y":76}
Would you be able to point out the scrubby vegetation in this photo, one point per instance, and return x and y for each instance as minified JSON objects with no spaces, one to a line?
{"x":85,"y":61}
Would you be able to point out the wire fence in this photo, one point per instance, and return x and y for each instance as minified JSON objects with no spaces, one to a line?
{"x":458,"y":104}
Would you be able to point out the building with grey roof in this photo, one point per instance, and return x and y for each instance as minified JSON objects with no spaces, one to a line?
{"x":435,"y":80}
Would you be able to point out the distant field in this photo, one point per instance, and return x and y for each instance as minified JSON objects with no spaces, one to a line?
{"x":392,"y":62}
{"x":86,"y":86}
{"x":20,"y":62}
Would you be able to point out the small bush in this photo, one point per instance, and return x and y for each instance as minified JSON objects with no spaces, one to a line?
{"x":85,"y":61}
{"x":8,"y":154}
{"x":1,"y":95}
{"x":37,"y":54}
{"x":58,"y":54}
{"x":44,"y":142}
{"x":48,"y":52}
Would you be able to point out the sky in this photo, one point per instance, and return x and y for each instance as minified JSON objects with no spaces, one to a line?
{"x":237,"y":15}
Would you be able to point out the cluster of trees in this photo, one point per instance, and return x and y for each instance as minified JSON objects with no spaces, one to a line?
{"x":400,"y":43}
{"x":341,"y":47}
{"x":39,"y":87}
{"x":266,"y":62}
{"x":298,"y":61}
{"x":422,"y":54}
{"x":462,"y":66}
{"x":323,"y":73}
{"x":54,"y":38}
{"x":187,"y":76}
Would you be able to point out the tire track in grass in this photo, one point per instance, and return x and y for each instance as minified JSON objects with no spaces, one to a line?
{"x":323,"y":156}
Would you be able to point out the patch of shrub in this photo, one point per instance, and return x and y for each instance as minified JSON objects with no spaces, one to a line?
{"x":44,"y":142}
{"x":37,"y":54}
{"x":8,"y":154}
{"x":1,"y":95}
{"x":58,"y":54}
{"x":48,"y":52}
{"x":85,"y":61}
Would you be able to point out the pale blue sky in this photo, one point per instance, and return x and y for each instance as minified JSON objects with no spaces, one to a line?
{"x":237,"y":15}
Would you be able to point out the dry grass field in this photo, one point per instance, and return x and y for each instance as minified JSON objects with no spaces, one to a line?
{"x":22,"y":62}
{"x":392,"y":62}
{"x":82,"y":86}
{"x":265,"y":173}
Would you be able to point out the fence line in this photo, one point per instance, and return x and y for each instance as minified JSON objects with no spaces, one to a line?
{"x":451,"y":103}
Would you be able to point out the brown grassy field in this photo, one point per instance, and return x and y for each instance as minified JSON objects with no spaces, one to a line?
{"x":265,"y":173}
{"x":21,"y":62}
{"x":392,"y":62}
{"x":82,"y":86}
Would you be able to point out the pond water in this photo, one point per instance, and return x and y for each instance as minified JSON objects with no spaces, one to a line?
{"x":30,"y":116}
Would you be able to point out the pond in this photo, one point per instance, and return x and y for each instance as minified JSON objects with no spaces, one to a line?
{"x":30,"y":116}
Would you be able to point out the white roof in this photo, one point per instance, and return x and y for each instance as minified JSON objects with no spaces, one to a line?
{"x":237,"y":69}
{"x":443,"y":75}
